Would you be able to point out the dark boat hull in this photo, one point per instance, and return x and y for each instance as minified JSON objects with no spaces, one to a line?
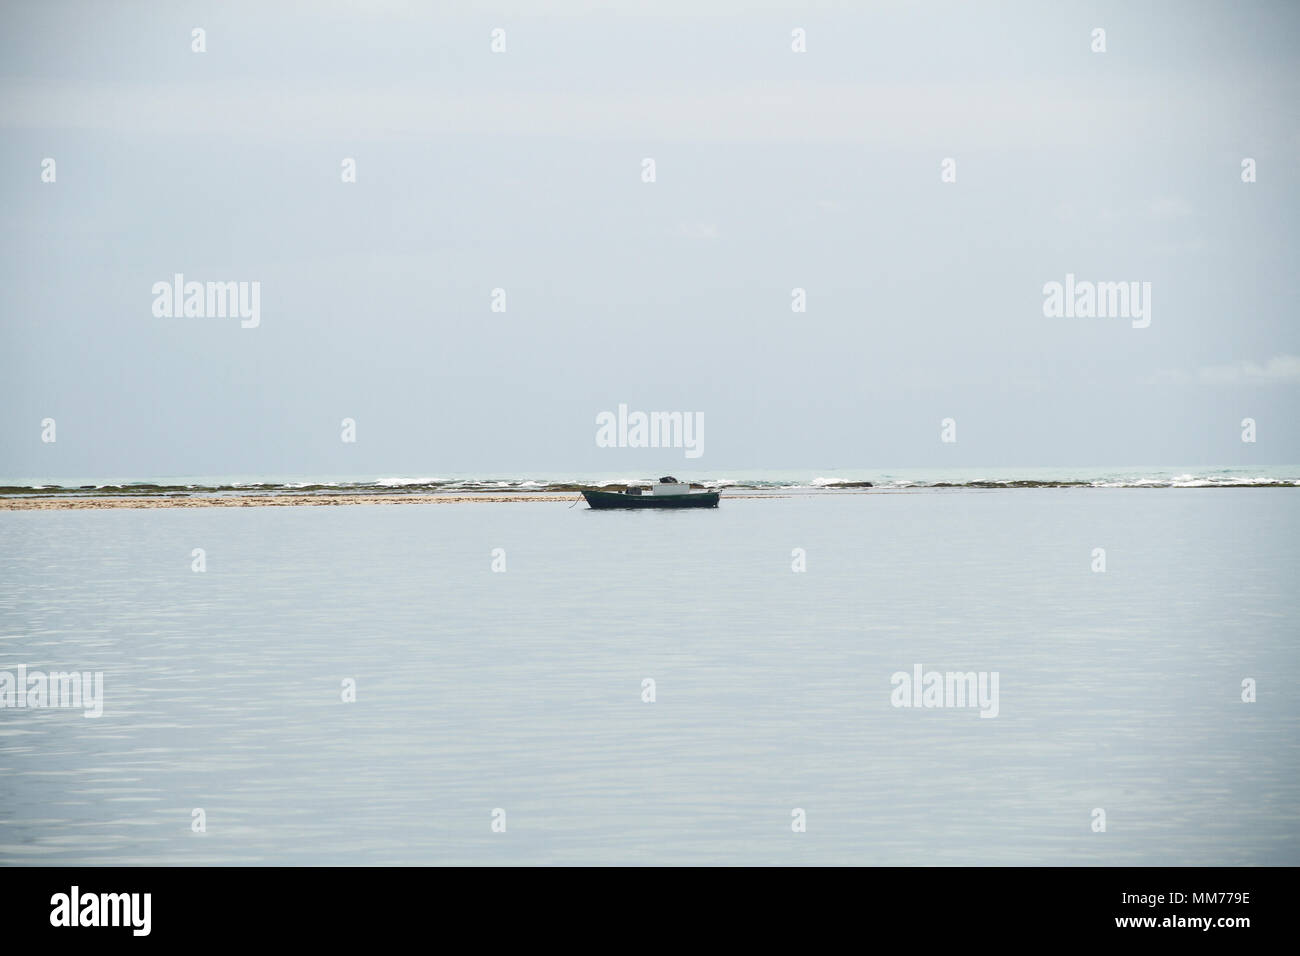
{"x":602,"y":500}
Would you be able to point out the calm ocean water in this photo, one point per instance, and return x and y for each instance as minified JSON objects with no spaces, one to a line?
{"x":522,"y":690}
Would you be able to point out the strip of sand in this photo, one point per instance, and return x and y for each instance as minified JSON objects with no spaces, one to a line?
{"x":257,"y":501}
{"x":276,"y":501}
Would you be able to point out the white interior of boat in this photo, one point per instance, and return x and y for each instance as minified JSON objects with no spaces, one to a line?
{"x":662,"y":490}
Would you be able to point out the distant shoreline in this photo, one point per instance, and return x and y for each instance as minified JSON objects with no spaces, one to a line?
{"x":541,"y":487}
{"x":92,"y":502}
{"x":256,"y":501}
{"x":283,"y":501}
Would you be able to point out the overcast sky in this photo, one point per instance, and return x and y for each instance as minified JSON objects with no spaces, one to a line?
{"x":522,"y":170}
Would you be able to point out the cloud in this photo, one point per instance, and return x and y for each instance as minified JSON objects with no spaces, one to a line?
{"x":697,"y":230}
{"x":1167,"y":208}
{"x":1279,"y":370}
{"x":926,"y":116}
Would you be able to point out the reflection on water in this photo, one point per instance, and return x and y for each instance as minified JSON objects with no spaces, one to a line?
{"x":523,"y":690}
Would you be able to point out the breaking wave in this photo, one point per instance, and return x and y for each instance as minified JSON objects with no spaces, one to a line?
{"x":399,"y":485}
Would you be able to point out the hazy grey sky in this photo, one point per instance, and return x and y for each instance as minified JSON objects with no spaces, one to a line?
{"x":522,"y":170}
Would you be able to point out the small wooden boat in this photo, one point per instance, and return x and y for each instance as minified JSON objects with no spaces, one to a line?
{"x":668,"y":493}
